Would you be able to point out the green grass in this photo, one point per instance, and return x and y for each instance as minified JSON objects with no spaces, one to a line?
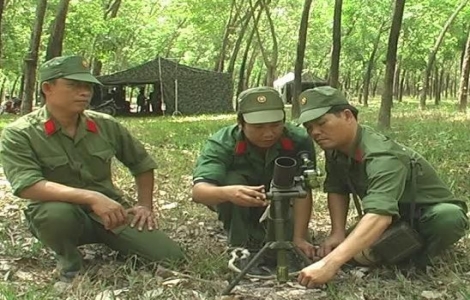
{"x":439,"y":133}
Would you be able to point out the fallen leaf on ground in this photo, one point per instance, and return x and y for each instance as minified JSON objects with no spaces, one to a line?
{"x":24,"y":275}
{"x":229,"y":297}
{"x":61,"y":287}
{"x":172,"y":282}
{"x":431,"y":295}
{"x":169,"y":206}
{"x":153,"y":293}
{"x":5,"y":265}
{"x":357,"y":273}
{"x":107,"y":295}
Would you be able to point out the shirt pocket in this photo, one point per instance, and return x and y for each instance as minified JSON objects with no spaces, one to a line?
{"x":248,"y":170}
{"x":360,"y":181}
{"x":56,"y":168}
{"x":100,"y":164}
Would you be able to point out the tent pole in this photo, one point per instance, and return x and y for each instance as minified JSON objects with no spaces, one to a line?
{"x":163,"y":105}
{"x":176,"y":97}
{"x":176,"y":112}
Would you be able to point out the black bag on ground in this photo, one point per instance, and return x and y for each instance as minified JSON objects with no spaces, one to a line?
{"x":397,"y":243}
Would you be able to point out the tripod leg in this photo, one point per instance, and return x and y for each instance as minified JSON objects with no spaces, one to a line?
{"x":302,"y":255}
{"x":245,"y":270}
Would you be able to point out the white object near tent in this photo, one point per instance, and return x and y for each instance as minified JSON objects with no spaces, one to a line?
{"x":279,"y":83}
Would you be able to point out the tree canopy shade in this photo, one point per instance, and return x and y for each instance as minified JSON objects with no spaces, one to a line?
{"x":190,"y":90}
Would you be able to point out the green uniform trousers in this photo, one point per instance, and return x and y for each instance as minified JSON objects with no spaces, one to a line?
{"x":242,"y":223}
{"x":63,"y":226}
{"x":440,"y":225}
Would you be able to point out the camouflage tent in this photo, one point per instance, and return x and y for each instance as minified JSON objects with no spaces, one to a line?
{"x":184,"y":89}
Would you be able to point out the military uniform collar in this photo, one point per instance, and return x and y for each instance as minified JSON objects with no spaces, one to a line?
{"x":51,"y":126}
{"x":356,"y":152}
{"x":242,"y":144}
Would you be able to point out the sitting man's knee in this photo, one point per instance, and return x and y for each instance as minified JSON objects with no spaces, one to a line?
{"x":451,"y":215}
{"x":448,"y":216}
{"x":54,"y":215}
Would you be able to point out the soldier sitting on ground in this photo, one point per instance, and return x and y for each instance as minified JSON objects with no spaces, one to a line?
{"x":59,"y":158}
{"x":234,"y":170}
{"x":405,"y":203}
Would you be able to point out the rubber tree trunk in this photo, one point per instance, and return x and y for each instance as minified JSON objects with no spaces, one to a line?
{"x":270,"y":62}
{"x":54,"y":47}
{"x":370,"y":67}
{"x":336,"y":50}
{"x":31,"y":60}
{"x":233,"y":15}
{"x":464,"y":78}
{"x":432,"y":54}
{"x":241,"y":77}
{"x":299,"y":61}
{"x":387,"y":95}
{"x":241,"y":35}
{"x":401,"y":86}
{"x":2,"y":7}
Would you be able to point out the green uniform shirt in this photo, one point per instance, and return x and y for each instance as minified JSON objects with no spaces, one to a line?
{"x":379,"y":170}
{"x":228,"y":151}
{"x":35,"y":148}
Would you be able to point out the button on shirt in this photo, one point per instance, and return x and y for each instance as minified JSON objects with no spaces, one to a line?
{"x":35,"y":148}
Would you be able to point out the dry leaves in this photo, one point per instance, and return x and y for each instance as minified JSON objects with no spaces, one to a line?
{"x":432,"y":295}
{"x":271,"y":290}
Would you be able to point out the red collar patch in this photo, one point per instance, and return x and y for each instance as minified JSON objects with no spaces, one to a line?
{"x":91,"y":126}
{"x":358,"y":155}
{"x":287,"y":144}
{"x":240,"y":147}
{"x":49,"y":127}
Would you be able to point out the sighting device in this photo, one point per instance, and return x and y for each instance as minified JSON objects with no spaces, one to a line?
{"x":285,"y":185}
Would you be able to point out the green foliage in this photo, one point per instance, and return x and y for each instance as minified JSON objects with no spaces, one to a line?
{"x":192,"y":31}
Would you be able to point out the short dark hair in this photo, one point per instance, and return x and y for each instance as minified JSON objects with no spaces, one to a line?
{"x":52,"y":81}
{"x":240,"y":119}
{"x":340,"y":108}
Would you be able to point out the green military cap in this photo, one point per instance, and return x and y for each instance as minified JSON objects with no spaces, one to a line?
{"x":261,"y":105}
{"x":316,"y":102}
{"x":68,"y":67}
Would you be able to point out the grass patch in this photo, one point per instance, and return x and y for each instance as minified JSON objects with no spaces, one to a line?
{"x":441,"y":134}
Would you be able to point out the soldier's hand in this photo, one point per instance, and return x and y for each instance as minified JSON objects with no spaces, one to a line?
{"x":306,"y":247}
{"x":143,"y":216}
{"x":329,"y":244}
{"x":244,"y":195}
{"x":316,"y":274}
{"x":111,"y":212}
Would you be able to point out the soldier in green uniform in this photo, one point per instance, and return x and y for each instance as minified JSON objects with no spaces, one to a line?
{"x":59,"y":158}
{"x":235,"y":168}
{"x":378,"y":170}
